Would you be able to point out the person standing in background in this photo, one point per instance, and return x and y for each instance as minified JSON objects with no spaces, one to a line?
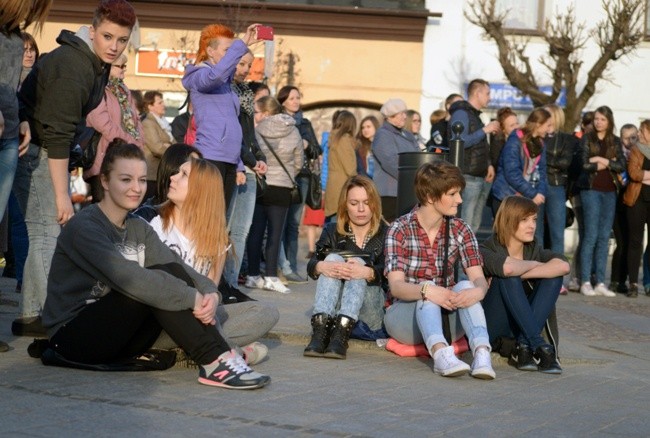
{"x":157,"y":136}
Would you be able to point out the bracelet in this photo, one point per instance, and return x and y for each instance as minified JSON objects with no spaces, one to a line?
{"x":423,"y":291}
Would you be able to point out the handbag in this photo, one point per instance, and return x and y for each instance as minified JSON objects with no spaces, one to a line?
{"x":84,"y":151}
{"x":314,"y":198}
{"x":296,"y":198}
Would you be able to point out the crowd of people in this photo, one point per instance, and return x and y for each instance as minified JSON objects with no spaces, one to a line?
{"x":180,"y":214}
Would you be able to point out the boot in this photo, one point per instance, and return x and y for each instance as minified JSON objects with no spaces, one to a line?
{"x":321,"y":325}
{"x":338,"y":345}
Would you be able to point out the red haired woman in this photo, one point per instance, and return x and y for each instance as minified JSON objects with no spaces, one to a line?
{"x":216,"y":106}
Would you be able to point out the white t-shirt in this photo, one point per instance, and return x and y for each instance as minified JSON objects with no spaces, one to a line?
{"x":181,"y":245}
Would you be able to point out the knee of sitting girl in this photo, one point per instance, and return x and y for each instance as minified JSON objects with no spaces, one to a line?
{"x":462,"y":285}
{"x":334,"y":258}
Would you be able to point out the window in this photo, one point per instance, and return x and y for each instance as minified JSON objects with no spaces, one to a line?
{"x":524,"y":16}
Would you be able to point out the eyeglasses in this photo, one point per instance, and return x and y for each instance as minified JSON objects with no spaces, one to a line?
{"x":120,"y":66}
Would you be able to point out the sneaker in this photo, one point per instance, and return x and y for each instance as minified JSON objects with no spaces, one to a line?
{"x":274,"y":284}
{"x":546,"y":360}
{"x":564,"y":290}
{"x":522,"y":358}
{"x":602,"y":290}
{"x":230,"y":371}
{"x":231,"y":295}
{"x":574,"y":285}
{"x":3,"y":347}
{"x":587,"y":290}
{"x":482,"y":365}
{"x":254,"y":353}
{"x":254,"y":282}
{"x":447,"y":364}
{"x":647,"y":289}
{"x":294,"y":278}
{"x":31,"y":326}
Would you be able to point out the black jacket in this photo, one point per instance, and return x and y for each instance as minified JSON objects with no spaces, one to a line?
{"x":250,"y":149}
{"x":62,"y":88}
{"x":476,"y":156}
{"x":616,"y":165}
{"x":560,"y":149}
{"x":330,"y":241}
{"x":307,"y":133}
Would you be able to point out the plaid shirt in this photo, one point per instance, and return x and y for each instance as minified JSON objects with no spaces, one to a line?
{"x":408,"y":250}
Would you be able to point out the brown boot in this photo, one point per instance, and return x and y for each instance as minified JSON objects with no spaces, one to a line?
{"x":321,"y":325}
{"x":338,"y":345}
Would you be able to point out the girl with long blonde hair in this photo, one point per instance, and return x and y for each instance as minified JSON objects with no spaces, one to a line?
{"x":192,"y":221}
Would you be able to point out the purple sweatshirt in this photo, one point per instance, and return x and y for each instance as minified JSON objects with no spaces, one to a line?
{"x":216,"y":107}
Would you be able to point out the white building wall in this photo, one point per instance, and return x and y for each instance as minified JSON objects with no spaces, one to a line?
{"x":455,"y":52}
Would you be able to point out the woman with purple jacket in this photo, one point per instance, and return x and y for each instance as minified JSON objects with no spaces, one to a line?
{"x":216,"y":106}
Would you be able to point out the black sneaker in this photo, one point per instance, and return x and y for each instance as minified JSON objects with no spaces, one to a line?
{"x":546,"y":360}
{"x":32,"y":327}
{"x":232,"y":295}
{"x":232,"y":372}
{"x":522,"y":358}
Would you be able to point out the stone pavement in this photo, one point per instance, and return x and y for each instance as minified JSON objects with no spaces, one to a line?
{"x":604,"y":390}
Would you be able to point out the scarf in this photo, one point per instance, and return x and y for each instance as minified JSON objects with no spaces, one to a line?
{"x":245,"y":95}
{"x":121,"y":93}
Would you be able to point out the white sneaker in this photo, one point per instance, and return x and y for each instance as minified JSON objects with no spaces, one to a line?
{"x":587,"y":290}
{"x":447,"y":364}
{"x":274,"y":284}
{"x":254,"y":353}
{"x":603,"y":290}
{"x":482,"y":365}
{"x":254,"y":282}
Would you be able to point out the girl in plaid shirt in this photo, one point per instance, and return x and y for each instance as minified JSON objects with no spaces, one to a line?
{"x":415,"y":272}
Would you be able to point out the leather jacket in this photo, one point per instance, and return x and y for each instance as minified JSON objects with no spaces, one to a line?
{"x":616,"y":165}
{"x":560,"y":149}
{"x":331,"y":241}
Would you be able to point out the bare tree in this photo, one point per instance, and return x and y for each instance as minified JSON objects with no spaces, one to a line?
{"x":617,"y":35}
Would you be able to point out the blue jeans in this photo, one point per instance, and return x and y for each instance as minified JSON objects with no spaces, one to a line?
{"x":509,"y":311}
{"x":598,"y":209}
{"x":352,"y":298}
{"x":19,"y":238}
{"x":240,"y":218}
{"x":8,"y":163}
{"x":288,"y":258}
{"x":556,"y":215}
{"x":474,"y":198}
{"x":415,"y":322}
{"x":34,"y":189}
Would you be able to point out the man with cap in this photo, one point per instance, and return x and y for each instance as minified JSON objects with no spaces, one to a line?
{"x":477,"y":170}
{"x":390,"y":140}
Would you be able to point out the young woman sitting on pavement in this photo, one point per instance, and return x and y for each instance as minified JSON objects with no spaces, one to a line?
{"x":423,"y":285}
{"x":192,"y":223}
{"x":348,"y":264}
{"x":525,"y":284}
{"x":114,"y":286}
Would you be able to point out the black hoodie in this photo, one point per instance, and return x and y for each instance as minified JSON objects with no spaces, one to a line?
{"x":62,"y":88}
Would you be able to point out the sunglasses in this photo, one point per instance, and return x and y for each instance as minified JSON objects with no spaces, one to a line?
{"x":120,"y":66}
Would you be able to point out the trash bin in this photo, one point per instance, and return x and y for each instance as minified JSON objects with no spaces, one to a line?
{"x":408,"y":164}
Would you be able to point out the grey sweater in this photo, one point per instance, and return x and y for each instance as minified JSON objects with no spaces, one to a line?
{"x":11,"y":62}
{"x":94,"y":258}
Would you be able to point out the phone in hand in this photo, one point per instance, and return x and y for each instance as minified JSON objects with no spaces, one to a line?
{"x":264,"y":33}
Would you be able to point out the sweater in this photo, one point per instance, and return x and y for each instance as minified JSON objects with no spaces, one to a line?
{"x":11,"y":63}
{"x":281,"y":133}
{"x":216,"y":106}
{"x":494,"y":255}
{"x":56,"y":95}
{"x":93,"y":258}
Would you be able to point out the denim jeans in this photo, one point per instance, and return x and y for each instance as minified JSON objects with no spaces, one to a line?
{"x":288,"y":258}
{"x":34,"y":190}
{"x":240,"y":218}
{"x":8,"y":163}
{"x":19,"y":238}
{"x":474,"y":198}
{"x":509,"y":311}
{"x":269,"y":218}
{"x":353,"y":298}
{"x":556,"y":217}
{"x":598,"y":209}
{"x":415,"y":322}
